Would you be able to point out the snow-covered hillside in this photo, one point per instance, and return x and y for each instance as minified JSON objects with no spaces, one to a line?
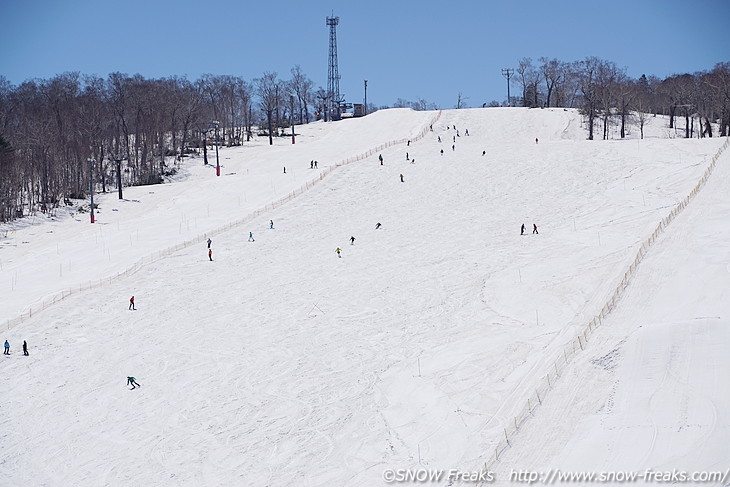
{"x":281,"y":364}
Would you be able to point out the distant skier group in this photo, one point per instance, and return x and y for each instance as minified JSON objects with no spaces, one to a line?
{"x":534,"y":229}
{"x":6,"y":347}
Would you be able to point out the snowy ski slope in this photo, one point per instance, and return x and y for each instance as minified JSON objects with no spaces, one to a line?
{"x":281,"y":364}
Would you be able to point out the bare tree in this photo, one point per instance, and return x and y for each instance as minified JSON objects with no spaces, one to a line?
{"x":268,"y":89}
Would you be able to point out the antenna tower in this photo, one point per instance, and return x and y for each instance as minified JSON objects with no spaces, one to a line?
{"x":333,"y":75}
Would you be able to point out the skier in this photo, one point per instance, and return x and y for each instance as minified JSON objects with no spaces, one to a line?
{"x":315,"y":164}
{"x":409,"y":143}
{"x":352,"y":240}
{"x":413,"y":161}
{"x":439,"y":139}
{"x":250,"y":237}
{"x":380,"y":158}
{"x":210,"y":255}
{"x":311,"y":164}
{"x":271,"y":224}
{"x":453,"y":147}
{"x":407,"y":157}
{"x":534,"y":229}
{"x":133,"y":382}
{"x":401,"y":179}
{"x":25,"y":348}
{"x":7,"y":348}
{"x":442,"y":152}
{"x":131,"y":304}
{"x":454,"y":138}
{"x":466,"y":132}
{"x":522,"y":230}
{"x":484,"y":153}
{"x":377,"y":225}
{"x":536,"y":140}
{"x":284,"y":169}
{"x":338,"y":252}
{"x":209,"y":242}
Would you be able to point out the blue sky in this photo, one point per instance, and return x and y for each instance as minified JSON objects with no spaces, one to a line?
{"x":405,"y":49}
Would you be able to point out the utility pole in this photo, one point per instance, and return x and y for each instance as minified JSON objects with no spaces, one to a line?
{"x":365,"y":111}
{"x":119,"y":176}
{"x":217,"y":161}
{"x":91,"y":186}
{"x":291,"y":117}
{"x":507,"y":72}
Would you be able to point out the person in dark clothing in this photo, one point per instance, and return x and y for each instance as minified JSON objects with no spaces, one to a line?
{"x":131,"y":303}
{"x":534,"y":229}
{"x":522,"y":230}
{"x":133,"y":382}
{"x":484,"y":153}
{"x":377,"y":225}
{"x":210,"y":254}
{"x":401,"y":179}
{"x":352,"y":240}
{"x":442,"y":152}
{"x":25,"y":348}
{"x":380,"y":158}
{"x":209,"y":242}
{"x":7,"y":348}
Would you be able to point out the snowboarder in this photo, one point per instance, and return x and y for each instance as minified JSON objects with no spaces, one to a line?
{"x":271,"y":224}
{"x":250,"y":237}
{"x":338,"y":252}
{"x":522,"y":230}
{"x":210,"y":255}
{"x":209,"y":242}
{"x":377,"y":225}
{"x":352,"y":240}
{"x":25,"y":348}
{"x":401,"y":179}
{"x":380,"y":158}
{"x":133,"y":382}
{"x":7,"y":348}
{"x":534,"y":229}
{"x":131,"y":304}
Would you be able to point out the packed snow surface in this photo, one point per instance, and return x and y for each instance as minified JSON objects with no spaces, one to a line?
{"x":280,"y":363}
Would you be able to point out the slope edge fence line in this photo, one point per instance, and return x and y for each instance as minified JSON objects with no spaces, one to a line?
{"x":63,"y":294}
{"x":577,"y":344}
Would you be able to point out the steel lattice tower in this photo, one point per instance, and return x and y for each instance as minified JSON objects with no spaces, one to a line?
{"x":333,"y":75}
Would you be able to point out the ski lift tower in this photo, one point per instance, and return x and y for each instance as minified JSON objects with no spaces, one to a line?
{"x":333,"y":75}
